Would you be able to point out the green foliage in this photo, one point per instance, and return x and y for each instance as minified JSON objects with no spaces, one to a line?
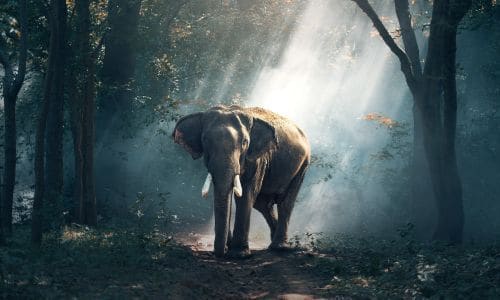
{"x":37,"y":31}
{"x":192,"y":51}
{"x":149,"y":212}
{"x":482,"y":13}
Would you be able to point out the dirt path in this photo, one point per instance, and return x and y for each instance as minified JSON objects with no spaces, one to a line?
{"x":266,"y":275}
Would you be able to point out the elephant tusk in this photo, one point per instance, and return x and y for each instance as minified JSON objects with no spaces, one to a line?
{"x":237,"y":186}
{"x":206,"y":186}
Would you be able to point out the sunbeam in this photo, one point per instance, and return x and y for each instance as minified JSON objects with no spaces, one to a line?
{"x":332,"y":73}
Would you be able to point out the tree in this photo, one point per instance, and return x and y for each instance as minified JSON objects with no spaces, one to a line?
{"x":54,"y":172}
{"x":53,"y":92}
{"x":119,"y":60}
{"x":82,"y":107}
{"x":12,"y":83}
{"x":435,"y":99}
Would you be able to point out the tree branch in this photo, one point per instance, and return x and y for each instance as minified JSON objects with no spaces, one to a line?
{"x":408,"y":36}
{"x":403,"y":58}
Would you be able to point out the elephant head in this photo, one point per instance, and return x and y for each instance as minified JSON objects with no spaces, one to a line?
{"x":229,"y":139}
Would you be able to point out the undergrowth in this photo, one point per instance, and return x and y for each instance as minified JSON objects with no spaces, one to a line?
{"x":82,"y":261}
{"x":131,"y":262}
{"x":403,"y":267}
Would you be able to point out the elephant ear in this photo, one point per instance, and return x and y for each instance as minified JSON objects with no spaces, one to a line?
{"x":263,"y":139}
{"x":187,"y":133}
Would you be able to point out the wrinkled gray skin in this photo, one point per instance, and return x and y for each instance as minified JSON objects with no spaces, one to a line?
{"x":271,"y":155}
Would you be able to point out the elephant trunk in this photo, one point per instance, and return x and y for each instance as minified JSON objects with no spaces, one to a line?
{"x":226,"y":183}
{"x":222,"y":212}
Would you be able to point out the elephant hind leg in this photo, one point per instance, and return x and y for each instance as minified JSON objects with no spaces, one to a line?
{"x":265,"y":205}
{"x":285,"y":207}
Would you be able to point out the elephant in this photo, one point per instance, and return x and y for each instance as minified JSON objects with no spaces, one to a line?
{"x":253,"y":155}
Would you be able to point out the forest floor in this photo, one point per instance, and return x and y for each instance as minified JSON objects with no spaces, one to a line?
{"x":120,"y":263}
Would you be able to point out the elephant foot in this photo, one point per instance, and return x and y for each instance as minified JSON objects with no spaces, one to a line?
{"x":281,"y":247}
{"x":219,"y":254}
{"x":239,"y":253}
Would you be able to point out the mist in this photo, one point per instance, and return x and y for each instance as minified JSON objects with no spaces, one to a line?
{"x":336,"y":79}
{"x":331,"y":73}
{"x":322,"y":84}
{"x":324,"y":67}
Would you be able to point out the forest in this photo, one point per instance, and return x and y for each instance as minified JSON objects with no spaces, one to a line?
{"x":366,"y":135}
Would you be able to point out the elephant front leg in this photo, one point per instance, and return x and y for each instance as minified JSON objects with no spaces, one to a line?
{"x":251,"y":184}
{"x":239,"y":243}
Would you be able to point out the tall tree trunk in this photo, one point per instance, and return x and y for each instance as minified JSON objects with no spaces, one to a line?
{"x":422,"y":193}
{"x":11,"y":86}
{"x":83,"y":108}
{"x":440,"y":108}
{"x":76,"y":132}
{"x":88,"y":209}
{"x":435,"y":99}
{"x":37,"y":216}
{"x":451,"y":210}
{"x":54,"y":172}
{"x":10,"y":153}
{"x":52,"y":90}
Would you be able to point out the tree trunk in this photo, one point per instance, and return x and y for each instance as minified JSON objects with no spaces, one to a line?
{"x":88,"y":211}
{"x":9,"y":174}
{"x":52,"y":90}
{"x":76,"y":128}
{"x":11,"y":87}
{"x":36,"y":216}
{"x":54,"y":172}
{"x":78,"y":163}
{"x":82,"y":115}
{"x":439,"y":113}
{"x":452,"y":212}
{"x":422,"y":193}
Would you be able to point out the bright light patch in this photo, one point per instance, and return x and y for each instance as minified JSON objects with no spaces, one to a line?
{"x":333,"y":74}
